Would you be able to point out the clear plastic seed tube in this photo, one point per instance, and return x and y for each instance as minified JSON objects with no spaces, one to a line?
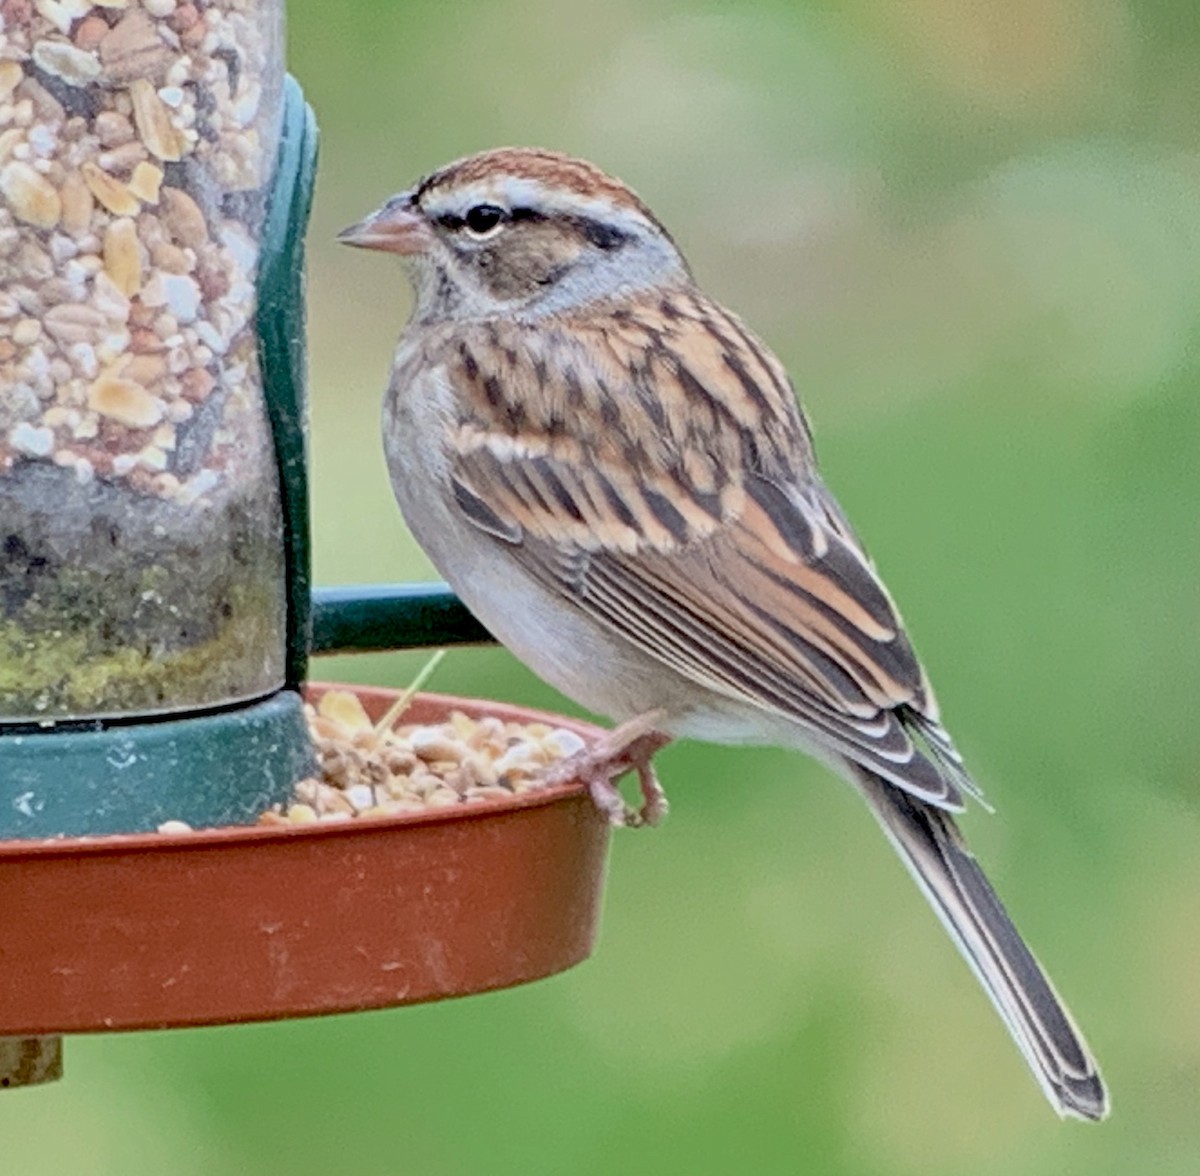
{"x":141,"y":565}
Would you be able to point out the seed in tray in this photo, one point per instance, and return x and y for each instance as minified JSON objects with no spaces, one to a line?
{"x":369,"y":771}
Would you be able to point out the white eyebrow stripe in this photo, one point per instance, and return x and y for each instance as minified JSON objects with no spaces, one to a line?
{"x":522,"y":192}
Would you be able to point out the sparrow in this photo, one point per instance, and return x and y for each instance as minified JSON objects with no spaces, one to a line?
{"x":614,"y":474}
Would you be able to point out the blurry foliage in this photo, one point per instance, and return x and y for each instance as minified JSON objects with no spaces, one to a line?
{"x":972,"y":231}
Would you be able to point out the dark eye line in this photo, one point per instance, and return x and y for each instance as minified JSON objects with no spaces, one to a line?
{"x":605,"y":237}
{"x":599,"y":234}
{"x":482,"y":217}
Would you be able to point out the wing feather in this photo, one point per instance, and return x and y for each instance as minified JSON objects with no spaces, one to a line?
{"x":678,"y":504}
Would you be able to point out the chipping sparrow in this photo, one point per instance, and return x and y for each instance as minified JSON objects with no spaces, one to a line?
{"x":614,"y":475}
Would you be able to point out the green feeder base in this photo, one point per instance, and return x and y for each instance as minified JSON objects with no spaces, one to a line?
{"x":210,"y":769}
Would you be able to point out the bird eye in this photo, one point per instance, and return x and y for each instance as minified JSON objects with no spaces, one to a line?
{"x":484,"y":219}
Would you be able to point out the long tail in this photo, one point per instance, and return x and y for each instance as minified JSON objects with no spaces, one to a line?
{"x":933,"y":849}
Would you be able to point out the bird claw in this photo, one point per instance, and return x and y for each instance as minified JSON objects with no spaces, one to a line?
{"x":628,"y":748}
{"x":608,"y":799}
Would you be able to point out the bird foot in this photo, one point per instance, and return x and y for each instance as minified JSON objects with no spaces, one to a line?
{"x":627,"y":748}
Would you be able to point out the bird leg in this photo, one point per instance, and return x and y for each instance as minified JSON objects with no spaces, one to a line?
{"x":627,"y":748}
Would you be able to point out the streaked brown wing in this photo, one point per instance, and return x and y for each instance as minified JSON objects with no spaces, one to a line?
{"x":675,"y":500}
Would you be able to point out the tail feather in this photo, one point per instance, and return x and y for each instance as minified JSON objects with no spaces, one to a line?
{"x":933,"y":849}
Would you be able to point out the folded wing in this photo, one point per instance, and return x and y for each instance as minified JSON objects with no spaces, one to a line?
{"x":661,"y":495}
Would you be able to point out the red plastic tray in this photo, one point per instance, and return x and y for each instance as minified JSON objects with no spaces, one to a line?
{"x":240,"y":924}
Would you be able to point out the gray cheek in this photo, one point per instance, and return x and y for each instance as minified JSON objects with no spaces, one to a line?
{"x":510,"y":279}
{"x":617,"y":273}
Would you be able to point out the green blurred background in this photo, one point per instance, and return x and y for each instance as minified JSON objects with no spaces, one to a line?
{"x":972,"y":231}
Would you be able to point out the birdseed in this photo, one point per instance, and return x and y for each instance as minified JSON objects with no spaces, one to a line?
{"x":371,"y":771}
{"x":137,"y":144}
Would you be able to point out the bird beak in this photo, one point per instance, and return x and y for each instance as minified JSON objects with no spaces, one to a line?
{"x":397,"y":227}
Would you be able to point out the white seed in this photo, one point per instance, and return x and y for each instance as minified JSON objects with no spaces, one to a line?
{"x":240,"y":246}
{"x":63,"y":249}
{"x":87,"y":428}
{"x":245,"y":109}
{"x":152,"y":458}
{"x":108,"y":299}
{"x":180,"y":71}
{"x":360,"y":796}
{"x":62,"y":13}
{"x":42,"y":140}
{"x":178,"y":292}
{"x":211,"y":338}
{"x":83,"y":357}
{"x":113,"y":345}
{"x":562,"y":743}
{"x":26,"y":331}
{"x":519,"y":756}
{"x":166,"y":327}
{"x":31,"y":440}
{"x":36,"y":365}
{"x":74,"y":323}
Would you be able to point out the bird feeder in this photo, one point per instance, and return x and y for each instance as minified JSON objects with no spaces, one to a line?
{"x":153,"y":194}
{"x":156,"y":610}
